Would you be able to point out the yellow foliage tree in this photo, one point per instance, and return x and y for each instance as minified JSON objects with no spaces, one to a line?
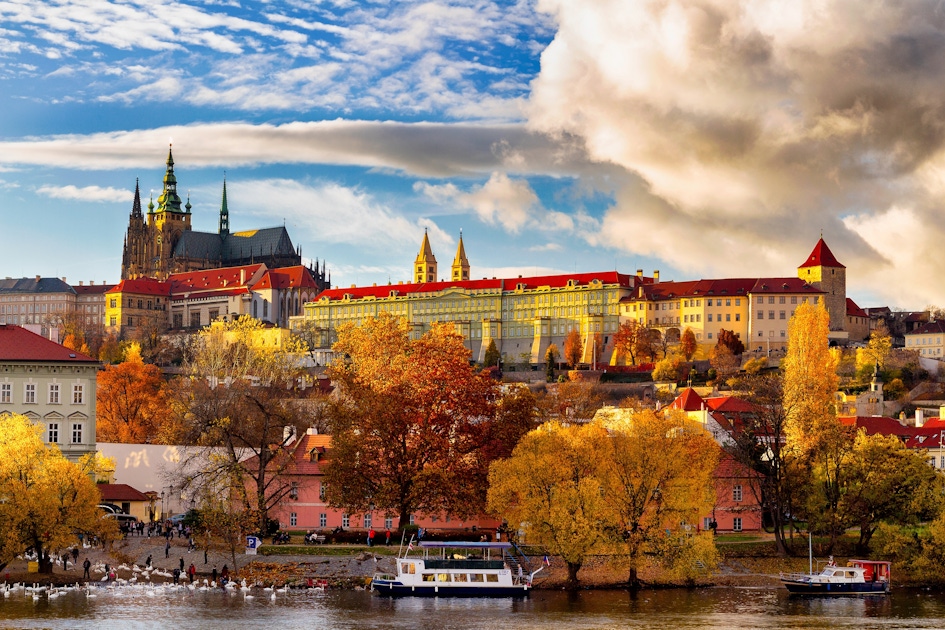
{"x":656,"y":473}
{"x":549,"y":489}
{"x":810,"y":381}
{"x":47,"y":500}
{"x":130,"y":402}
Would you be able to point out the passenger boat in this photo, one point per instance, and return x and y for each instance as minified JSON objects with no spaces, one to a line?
{"x":458,"y":569}
{"x":859,"y":577}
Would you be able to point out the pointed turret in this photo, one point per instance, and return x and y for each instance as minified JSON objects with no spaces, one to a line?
{"x":425,"y":264}
{"x":823,"y":271}
{"x":460,"y":269}
{"x":224,"y":213}
{"x":136,"y":205}
{"x":169,"y":201}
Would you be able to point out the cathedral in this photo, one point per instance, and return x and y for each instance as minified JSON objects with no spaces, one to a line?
{"x":163,"y":243}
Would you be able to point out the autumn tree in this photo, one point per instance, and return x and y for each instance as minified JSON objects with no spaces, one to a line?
{"x":687,"y":344}
{"x":655,"y":472}
{"x":667,"y":369}
{"x":632,"y":340}
{"x":573,"y":348}
{"x":492,"y":356}
{"x":725,"y":363}
{"x":47,"y":500}
{"x":731,"y":340}
{"x":516,"y":414}
{"x":879,"y":346}
{"x":810,"y":379}
{"x":549,"y":488}
{"x":408,"y":423}
{"x":243,"y":404}
{"x":885,"y":482}
{"x":551,"y":359}
{"x":130,"y":401}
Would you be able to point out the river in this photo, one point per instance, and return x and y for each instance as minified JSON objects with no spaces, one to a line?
{"x":137,"y":607}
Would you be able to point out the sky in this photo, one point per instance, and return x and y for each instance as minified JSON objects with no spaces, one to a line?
{"x":703,"y":138}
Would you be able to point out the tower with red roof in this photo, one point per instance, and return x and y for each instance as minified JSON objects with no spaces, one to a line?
{"x":823,"y":271}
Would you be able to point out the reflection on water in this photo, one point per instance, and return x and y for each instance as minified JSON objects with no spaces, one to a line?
{"x":140,"y":607}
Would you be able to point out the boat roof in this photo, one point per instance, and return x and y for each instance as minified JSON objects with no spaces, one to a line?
{"x":439,"y":544}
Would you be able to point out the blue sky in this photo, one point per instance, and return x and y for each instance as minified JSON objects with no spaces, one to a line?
{"x":704,"y":139}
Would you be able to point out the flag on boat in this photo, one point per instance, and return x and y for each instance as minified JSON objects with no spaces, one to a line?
{"x":410,"y":546}
{"x":547,"y":561}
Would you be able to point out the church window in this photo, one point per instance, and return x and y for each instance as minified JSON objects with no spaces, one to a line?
{"x":130,"y":321}
{"x":140,"y":303}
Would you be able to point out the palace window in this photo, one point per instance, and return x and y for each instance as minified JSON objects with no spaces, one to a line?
{"x":54,"y":393}
{"x":293,"y":519}
{"x":323,"y":519}
{"x":29,"y":393}
{"x":52,"y":435}
{"x":737,"y":524}
{"x":77,"y":394}
{"x":737,"y":492}
{"x":6,"y":392}
{"x":77,"y":433}
{"x":345,"y":520}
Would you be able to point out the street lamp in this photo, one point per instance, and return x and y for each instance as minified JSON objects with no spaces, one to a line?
{"x":163,"y":513}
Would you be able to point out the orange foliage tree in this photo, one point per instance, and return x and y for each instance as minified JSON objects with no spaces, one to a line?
{"x":409,"y":426}
{"x":130,"y":401}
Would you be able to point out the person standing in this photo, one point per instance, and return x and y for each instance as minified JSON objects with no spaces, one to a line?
{"x":75,"y":555}
{"x":147,"y":562}
{"x":191,"y":572}
{"x":370,"y":537}
{"x":167,"y":548}
{"x":387,"y":537}
{"x":86,"y":566}
{"x":213,"y":576}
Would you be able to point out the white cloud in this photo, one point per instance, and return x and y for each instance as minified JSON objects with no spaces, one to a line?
{"x":86,"y":193}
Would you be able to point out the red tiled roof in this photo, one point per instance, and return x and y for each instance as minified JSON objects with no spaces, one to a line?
{"x":821,"y":257}
{"x":728,"y":467}
{"x":212,"y":279}
{"x":926,"y":438}
{"x":933,"y":423}
{"x":877,"y":424}
{"x":500,"y":284}
{"x":114,"y":492}
{"x":295,"y":277}
{"x":730,"y":404}
{"x":936,"y":327}
{"x":302,"y":463}
{"x":19,"y":344}
{"x":853,"y":310}
{"x":202,"y":294}
{"x":725,"y":287}
{"x":688,"y":400}
{"x":142,"y":286}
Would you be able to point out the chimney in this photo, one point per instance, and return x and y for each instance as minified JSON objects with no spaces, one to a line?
{"x":81,"y":283}
{"x":242,"y":276}
{"x":919,"y":418}
{"x":656,"y":275}
{"x":639,"y":273}
{"x":63,"y":278}
{"x":288,"y":434}
{"x":37,"y":278}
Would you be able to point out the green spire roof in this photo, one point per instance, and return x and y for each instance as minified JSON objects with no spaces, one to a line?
{"x":169,"y":201}
{"x":224,"y":212}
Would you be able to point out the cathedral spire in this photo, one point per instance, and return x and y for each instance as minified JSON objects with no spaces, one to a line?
{"x":425,"y":264}
{"x":224,"y":212}
{"x":460,"y":269}
{"x":136,"y":206}
{"x":169,"y":201}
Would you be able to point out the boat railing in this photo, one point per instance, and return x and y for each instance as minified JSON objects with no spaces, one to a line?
{"x":796,"y":577}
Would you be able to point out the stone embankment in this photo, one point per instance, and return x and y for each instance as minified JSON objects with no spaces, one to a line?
{"x":346,"y":566}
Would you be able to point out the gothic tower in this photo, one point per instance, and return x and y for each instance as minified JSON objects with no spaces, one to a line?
{"x":224,"y":213}
{"x":425,"y":264}
{"x":460,"y":268}
{"x":134,"y":256}
{"x":169,"y":221}
{"x":822,"y":270}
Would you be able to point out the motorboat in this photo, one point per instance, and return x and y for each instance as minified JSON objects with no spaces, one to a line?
{"x":458,"y":569}
{"x":858,"y":577}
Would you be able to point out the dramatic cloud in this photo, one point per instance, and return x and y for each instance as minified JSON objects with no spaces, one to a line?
{"x":754,"y":126}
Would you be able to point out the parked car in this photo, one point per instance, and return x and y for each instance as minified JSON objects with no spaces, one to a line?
{"x":110,"y":508}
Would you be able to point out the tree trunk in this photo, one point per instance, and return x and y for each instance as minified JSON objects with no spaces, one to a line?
{"x":633,"y":581}
{"x":572,"y":583}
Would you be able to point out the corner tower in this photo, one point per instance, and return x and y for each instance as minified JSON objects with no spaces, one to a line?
{"x":460,"y":269}
{"x":425,"y":265}
{"x":168,"y":221}
{"x":824,"y":271}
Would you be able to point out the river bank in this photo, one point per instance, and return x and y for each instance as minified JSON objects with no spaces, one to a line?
{"x":347,"y":566}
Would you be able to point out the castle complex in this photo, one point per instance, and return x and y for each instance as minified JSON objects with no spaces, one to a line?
{"x":525,"y":315}
{"x":162,"y":242}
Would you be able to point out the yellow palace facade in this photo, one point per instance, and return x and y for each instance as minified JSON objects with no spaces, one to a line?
{"x":522,"y":315}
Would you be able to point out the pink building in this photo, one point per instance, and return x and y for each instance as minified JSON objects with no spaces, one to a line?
{"x":737,"y":498}
{"x":304,"y":507}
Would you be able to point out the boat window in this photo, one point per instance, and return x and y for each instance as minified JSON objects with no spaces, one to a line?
{"x":459,"y":577}
{"x":442,"y":577}
{"x":408,"y":567}
{"x":475,"y":577}
{"x":492,"y":577}
{"x":429,"y":577}
{"x":851,"y":574}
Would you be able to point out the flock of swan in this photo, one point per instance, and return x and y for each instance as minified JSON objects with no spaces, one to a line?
{"x":140,"y":583}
